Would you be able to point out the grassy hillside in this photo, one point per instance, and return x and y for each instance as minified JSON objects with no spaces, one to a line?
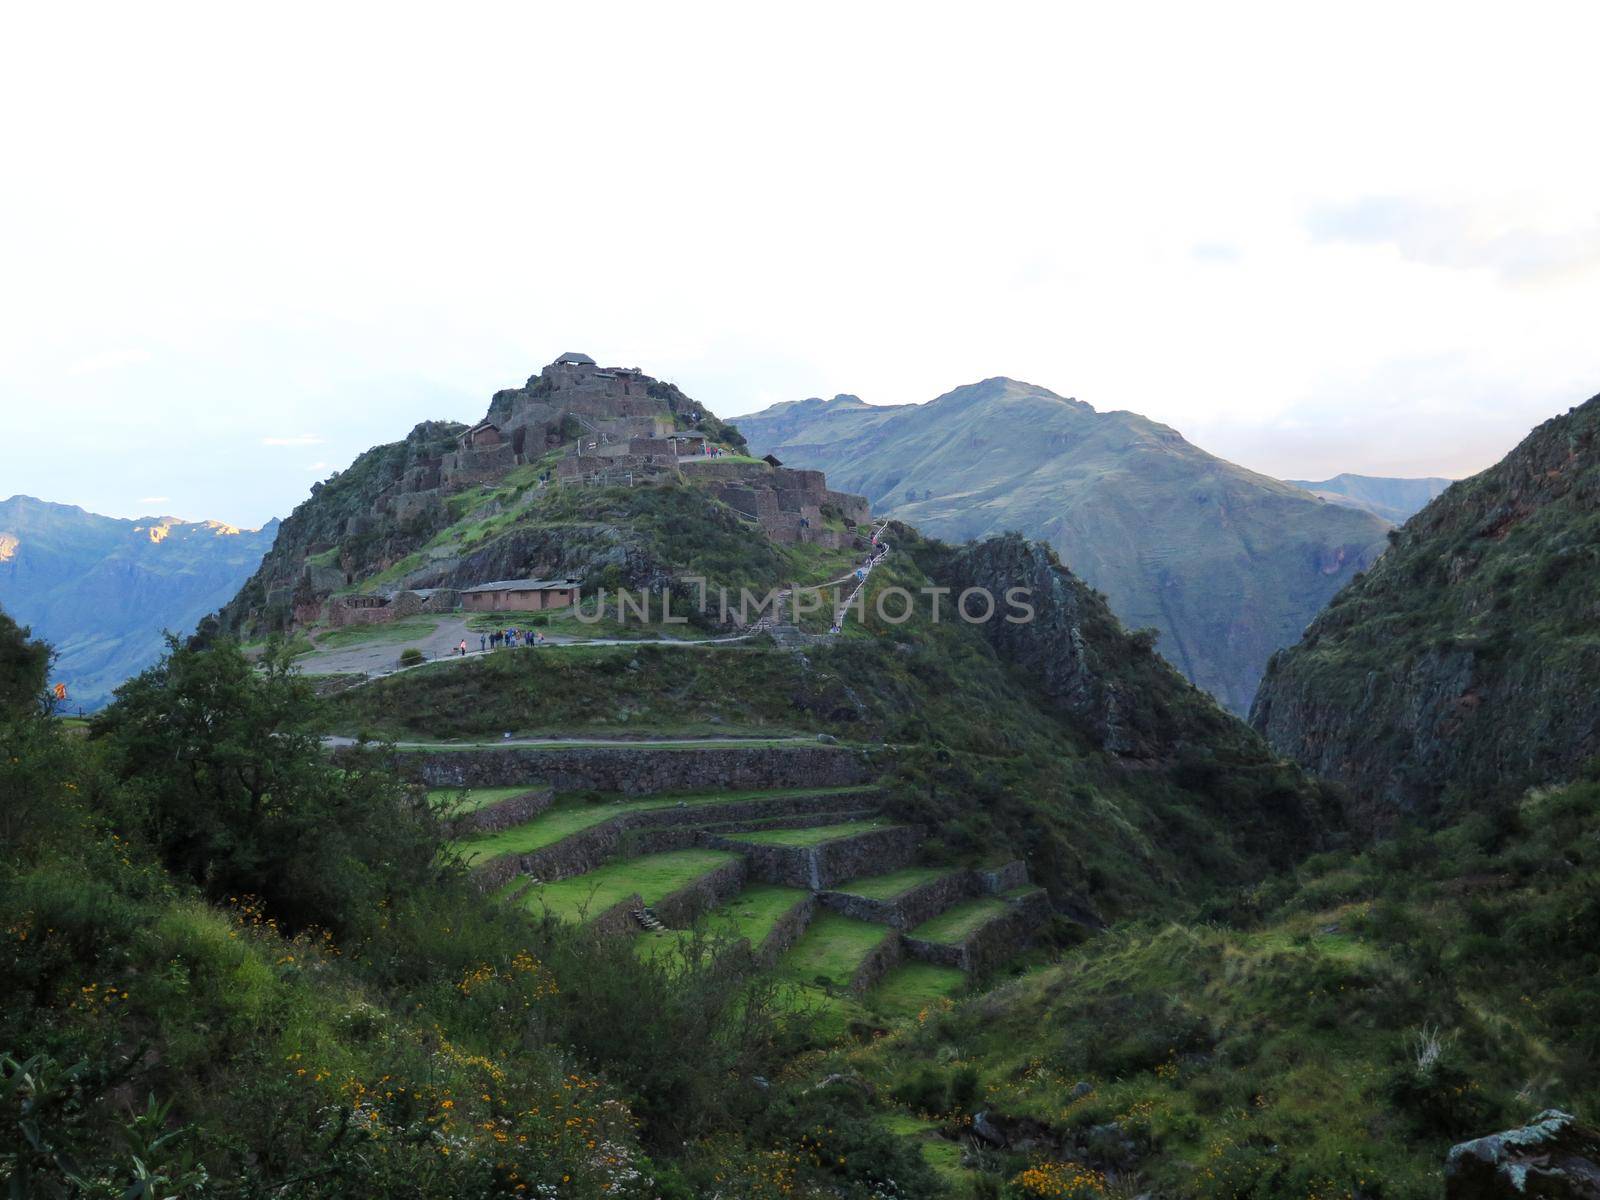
{"x":1327,"y":1033}
{"x":1225,"y":564}
{"x":977,"y":747}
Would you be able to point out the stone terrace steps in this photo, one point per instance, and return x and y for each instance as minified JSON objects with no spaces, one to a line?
{"x":905,"y":898}
{"x":821,"y":857}
{"x":570,"y":839}
{"x":977,"y":933}
{"x":840,"y":951}
{"x":673,"y":885}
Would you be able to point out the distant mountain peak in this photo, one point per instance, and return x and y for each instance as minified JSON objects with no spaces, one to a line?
{"x":1227,"y":564}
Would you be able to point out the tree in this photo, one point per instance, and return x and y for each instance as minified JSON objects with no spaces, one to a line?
{"x":228,"y":780}
{"x":24,"y":667}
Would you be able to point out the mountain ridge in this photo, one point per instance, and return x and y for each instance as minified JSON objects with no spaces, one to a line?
{"x":102,"y":589}
{"x":1226,"y":563}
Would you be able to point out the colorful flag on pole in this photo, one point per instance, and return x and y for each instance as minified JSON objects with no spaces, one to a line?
{"x":60,"y":691}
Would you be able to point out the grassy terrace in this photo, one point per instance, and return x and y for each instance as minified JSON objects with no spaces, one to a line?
{"x":753,"y":912}
{"x":887,"y":887}
{"x":468,"y":800}
{"x":959,"y":923}
{"x":913,"y":986}
{"x":831,"y":949}
{"x":813,"y":836}
{"x":564,"y":820}
{"x":751,"y":915}
{"x":651,"y":877}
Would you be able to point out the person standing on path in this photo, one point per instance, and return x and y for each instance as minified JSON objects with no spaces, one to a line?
{"x":483,"y":642}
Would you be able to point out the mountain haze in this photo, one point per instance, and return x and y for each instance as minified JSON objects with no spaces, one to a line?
{"x":1392,"y":499}
{"x":102,"y":589}
{"x":1226,"y":564}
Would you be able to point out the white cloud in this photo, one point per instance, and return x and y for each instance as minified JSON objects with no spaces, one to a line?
{"x":763,"y":204}
{"x":154,"y":499}
{"x":1462,"y":237}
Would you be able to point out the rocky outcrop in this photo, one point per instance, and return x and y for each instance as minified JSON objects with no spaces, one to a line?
{"x":1463,"y":664}
{"x":1124,"y":696}
{"x":1552,"y":1156}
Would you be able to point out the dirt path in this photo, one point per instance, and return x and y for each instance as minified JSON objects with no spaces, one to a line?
{"x":382,"y":658}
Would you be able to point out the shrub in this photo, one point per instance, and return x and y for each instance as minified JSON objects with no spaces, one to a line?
{"x":411,"y":657}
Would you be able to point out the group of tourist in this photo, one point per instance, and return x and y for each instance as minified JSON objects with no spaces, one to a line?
{"x":495,"y":639}
{"x":511,"y":637}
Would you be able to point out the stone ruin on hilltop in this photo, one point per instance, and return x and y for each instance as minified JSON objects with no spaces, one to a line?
{"x":607,"y":426}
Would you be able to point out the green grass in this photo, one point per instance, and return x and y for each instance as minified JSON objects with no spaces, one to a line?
{"x":754,"y":912}
{"x":911,"y":987}
{"x":652,"y":877}
{"x":813,"y":836}
{"x":887,"y":887}
{"x":411,"y":629}
{"x":466,"y":800}
{"x":831,"y":948}
{"x":566,"y":819}
{"x":956,"y":924}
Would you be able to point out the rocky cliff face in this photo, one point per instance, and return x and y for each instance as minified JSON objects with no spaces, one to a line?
{"x":1225,"y":564}
{"x":1464,"y":664}
{"x":345,"y":531}
{"x":1129,"y":701}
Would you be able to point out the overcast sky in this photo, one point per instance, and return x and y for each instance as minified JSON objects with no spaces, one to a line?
{"x":239,"y":245}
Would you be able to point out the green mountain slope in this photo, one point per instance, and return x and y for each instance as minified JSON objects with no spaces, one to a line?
{"x":1394,"y":500}
{"x":1464,"y":665}
{"x":1226,"y":564}
{"x":103,"y":589}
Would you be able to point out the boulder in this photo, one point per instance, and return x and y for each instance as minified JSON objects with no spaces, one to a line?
{"x":1552,"y":1156}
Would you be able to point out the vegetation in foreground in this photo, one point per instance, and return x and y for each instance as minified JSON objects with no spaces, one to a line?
{"x":231,"y":969}
{"x":1330,"y":1032}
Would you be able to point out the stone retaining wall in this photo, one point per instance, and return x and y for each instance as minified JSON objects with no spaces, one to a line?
{"x":992,"y":942}
{"x":497,"y":871}
{"x":1013,"y":874}
{"x":681,"y":908}
{"x":820,"y":867}
{"x":671,"y":829}
{"x":865,"y":854}
{"x":876,"y":965}
{"x":642,"y":772}
{"x":504,"y":814}
{"x":786,"y":931}
{"x":911,"y":907}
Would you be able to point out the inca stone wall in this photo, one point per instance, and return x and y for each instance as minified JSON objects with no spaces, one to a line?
{"x":877,"y":963}
{"x":642,"y":772}
{"x":512,"y":811}
{"x":913,"y":906}
{"x":824,"y":866}
{"x":681,"y":908}
{"x":992,"y":942}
